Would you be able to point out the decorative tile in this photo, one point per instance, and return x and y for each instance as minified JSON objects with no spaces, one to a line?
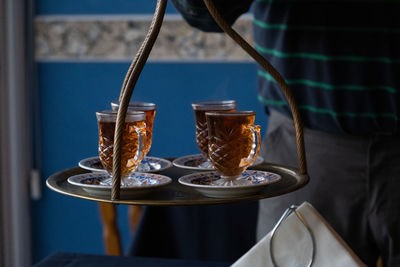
{"x":97,"y":39}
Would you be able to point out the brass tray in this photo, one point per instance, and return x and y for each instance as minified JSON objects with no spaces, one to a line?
{"x":176,"y":194}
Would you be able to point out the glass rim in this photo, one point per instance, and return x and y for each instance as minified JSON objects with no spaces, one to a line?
{"x":213,"y":104}
{"x":111,"y":115}
{"x":136,"y":104}
{"x":231,"y":114}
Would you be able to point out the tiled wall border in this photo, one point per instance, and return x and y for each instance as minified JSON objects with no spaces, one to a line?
{"x":118,"y":37}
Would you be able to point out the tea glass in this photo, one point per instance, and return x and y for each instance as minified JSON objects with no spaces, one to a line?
{"x":200,"y":109}
{"x":233,"y":144}
{"x":133,"y":142}
{"x":150,"y":110}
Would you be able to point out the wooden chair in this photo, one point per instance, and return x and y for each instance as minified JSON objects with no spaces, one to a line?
{"x":111,"y":234}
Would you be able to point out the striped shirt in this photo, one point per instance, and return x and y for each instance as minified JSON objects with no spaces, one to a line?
{"x":340,"y":59}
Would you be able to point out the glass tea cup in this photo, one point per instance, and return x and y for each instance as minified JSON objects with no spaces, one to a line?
{"x":150,"y":110}
{"x":200,"y":109}
{"x":133,"y":142}
{"x":233,"y":144}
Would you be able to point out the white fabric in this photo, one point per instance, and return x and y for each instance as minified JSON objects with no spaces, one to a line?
{"x":292,"y":244}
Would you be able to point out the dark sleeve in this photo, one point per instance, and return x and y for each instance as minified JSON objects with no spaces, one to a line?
{"x":196,"y":14}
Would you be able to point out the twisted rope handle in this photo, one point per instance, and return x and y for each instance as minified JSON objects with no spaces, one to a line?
{"x":137,"y":66}
{"x":127,"y":89}
{"x":274,"y":73}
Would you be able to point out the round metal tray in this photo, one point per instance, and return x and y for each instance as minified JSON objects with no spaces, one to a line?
{"x":176,"y":194}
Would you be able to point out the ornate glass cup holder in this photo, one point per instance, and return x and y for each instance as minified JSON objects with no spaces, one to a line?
{"x":176,"y":194}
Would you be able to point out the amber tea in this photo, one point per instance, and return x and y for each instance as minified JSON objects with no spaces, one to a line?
{"x":234,"y":141}
{"x":150,"y":110}
{"x":200,"y":109}
{"x":133,"y":140}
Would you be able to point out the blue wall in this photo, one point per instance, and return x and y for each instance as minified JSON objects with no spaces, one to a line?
{"x":62,"y":7}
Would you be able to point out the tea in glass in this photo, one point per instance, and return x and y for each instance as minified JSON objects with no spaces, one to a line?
{"x":233,"y":144}
{"x":200,"y":108}
{"x":150,"y":110}
{"x":133,"y":140}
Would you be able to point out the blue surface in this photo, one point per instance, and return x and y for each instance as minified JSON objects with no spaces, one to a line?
{"x":71,"y":93}
{"x":78,"y":7}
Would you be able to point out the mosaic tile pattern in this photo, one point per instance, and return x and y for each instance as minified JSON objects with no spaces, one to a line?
{"x":85,"y":39}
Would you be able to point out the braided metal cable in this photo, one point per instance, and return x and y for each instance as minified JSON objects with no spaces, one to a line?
{"x":274,"y":73}
{"x":127,"y":90}
{"x":131,"y":68}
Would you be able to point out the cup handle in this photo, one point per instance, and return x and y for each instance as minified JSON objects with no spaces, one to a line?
{"x":255,"y":129}
{"x":141,"y":132}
